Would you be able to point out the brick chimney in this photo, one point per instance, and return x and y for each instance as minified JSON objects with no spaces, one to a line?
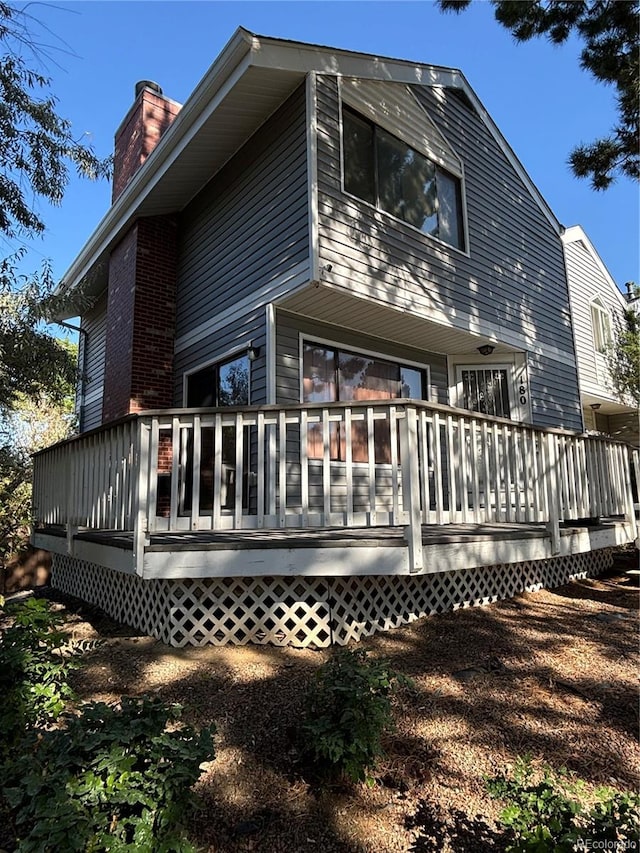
{"x":140,"y":131}
{"x":142,"y":275}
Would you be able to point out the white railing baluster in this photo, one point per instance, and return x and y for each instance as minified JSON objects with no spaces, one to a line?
{"x":240,"y":469}
{"x":260,"y":479}
{"x":282,"y":469}
{"x":441,"y":466}
{"x":411,"y":488}
{"x":371,"y":462}
{"x":348,"y":468}
{"x":304,"y":468}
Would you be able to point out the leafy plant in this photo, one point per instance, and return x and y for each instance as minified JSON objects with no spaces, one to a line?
{"x":348,"y":710}
{"x":549,"y":815}
{"x":34,"y":671}
{"x":113,"y":778}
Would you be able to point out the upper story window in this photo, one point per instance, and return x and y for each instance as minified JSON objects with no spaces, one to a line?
{"x":601,"y":325}
{"x":388,"y":173}
{"x":223,"y":384}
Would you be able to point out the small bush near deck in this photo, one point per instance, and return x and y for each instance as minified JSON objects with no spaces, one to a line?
{"x":113,"y":778}
{"x":348,"y":710}
{"x":548,"y":816}
{"x":34,"y":671}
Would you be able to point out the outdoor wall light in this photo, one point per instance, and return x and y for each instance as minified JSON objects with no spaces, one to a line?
{"x":252,"y":352}
{"x":595,"y":406}
{"x":486,"y":349}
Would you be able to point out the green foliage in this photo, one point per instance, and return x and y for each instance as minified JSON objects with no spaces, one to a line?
{"x":114,"y":778}
{"x":33,"y":421}
{"x":623,"y":358}
{"x":348,"y":710}
{"x":548,"y":815}
{"x":38,"y":150}
{"x":610,"y":33}
{"x":34,"y":671}
{"x":37,"y":146}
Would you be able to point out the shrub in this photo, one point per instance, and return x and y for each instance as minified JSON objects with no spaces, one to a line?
{"x":113,"y":778}
{"x":348,"y":710}
{"x":33,"y":669}
{"x":548,"y":816}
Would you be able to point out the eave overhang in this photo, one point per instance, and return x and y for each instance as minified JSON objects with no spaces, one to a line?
{"x":248,"y":81}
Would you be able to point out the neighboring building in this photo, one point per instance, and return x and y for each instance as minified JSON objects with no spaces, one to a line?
{"x":343,"y":255}
{"x":597,"y":307}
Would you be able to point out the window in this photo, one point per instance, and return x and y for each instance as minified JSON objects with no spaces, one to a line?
{"x":601,"y":324}
{"x":333,"y":375}
{"x":485,"y":390}
{"x":224,"y":384}
{"x":386,"y":172}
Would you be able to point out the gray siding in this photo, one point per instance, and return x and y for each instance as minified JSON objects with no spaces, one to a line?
{"x":587,"y":283}
{"x":513,"y":276}
{"x":91,"y":360}
{"x":288,"y":328}
{"x":245,"y":232}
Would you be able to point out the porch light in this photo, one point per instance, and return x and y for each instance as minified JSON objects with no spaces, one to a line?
{"x":486,"y":349}
{"x":252,"y":352}
{"x":595,"y":406}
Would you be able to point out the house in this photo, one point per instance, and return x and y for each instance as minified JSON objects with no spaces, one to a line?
{"x":597,"y":307}
{"x":329,"y":376}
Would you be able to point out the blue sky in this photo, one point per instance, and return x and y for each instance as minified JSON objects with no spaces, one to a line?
{"x":536,"y":93}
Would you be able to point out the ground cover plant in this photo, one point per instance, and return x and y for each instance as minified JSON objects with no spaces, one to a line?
{"x":546,"y":811}
{"x":551,"y":673}
{"x":94,"y":776}
{"x":348,"y":710}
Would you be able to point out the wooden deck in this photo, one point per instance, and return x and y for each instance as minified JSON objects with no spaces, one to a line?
{"x":328,"y":551}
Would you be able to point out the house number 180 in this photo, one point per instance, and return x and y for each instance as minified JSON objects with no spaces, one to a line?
{"x":522,"y":391}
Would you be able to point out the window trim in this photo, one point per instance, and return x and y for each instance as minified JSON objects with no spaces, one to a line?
{"x":313,"y":339}
{"x":596,"y":306}
{"x":518,"y":370}
{"x":229,"y":355}
{"x":464,"y":250}
{"x":341,"y":347}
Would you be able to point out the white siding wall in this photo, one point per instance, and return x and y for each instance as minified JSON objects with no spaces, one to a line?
{"x":587,"y":282}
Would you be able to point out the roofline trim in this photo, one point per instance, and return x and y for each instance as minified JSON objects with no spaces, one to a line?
{"x":243,"y":50}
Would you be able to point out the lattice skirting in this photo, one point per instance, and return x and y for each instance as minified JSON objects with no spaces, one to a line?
{"x":303,"y":611}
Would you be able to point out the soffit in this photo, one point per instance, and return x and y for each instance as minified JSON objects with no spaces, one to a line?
{"x":329,"y":305}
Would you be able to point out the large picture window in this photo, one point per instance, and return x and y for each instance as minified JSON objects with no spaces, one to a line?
{"x":386,"y":172}
{"x":334,"y":375}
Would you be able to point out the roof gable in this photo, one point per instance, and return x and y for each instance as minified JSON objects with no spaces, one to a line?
{"x":247,"y":82}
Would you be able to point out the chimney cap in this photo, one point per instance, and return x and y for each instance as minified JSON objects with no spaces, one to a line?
{"x":148,"y":84}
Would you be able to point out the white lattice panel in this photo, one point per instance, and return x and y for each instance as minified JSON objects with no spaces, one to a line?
{"x":303,"y":611}
{"x":277,"y":611}
{"x":142,"y":604}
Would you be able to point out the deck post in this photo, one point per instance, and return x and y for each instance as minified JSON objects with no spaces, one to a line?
{"x":552,"y":487}
{"x":629,"y":458}
{"x":140,"y":504}
{"x":410,"y":465}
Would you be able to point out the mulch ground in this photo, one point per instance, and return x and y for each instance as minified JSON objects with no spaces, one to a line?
{"x":552,"y":673}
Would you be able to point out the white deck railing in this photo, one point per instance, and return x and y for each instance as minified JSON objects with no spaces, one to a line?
{"x":402,"y":463}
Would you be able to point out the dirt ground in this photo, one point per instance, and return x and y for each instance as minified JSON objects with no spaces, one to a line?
{"x":553,"y":674}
